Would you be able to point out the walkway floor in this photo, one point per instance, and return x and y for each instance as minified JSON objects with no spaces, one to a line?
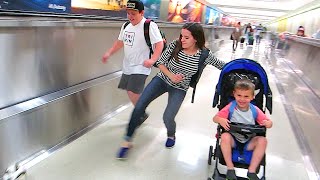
{"x":92,"y":156}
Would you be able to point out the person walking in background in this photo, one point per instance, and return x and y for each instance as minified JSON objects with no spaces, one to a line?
{"x":136,"y":62}
{"x":177,"y":64}
{"x":300,"y":32}
{"x":257,"y":32}
{"x":248,"y":32}
{"x":236,"y":34}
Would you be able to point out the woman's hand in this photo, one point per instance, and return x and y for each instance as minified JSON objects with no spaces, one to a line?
{"x":105,"y":57}
{"x":148,"y":63}
{"x":176,"y":78}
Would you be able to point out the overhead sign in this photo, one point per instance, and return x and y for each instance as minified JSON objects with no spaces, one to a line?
{"x":56,"y":6}
{"x":151,"y":8}
{"x":213,"y":17}
{"x":184,"y":11}
{"x":114,"y":8}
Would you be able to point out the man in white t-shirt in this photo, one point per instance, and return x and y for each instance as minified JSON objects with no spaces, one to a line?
{"x":136,"y":62}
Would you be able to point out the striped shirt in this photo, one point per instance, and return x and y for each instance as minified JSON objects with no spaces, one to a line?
{"x":187,"y":65}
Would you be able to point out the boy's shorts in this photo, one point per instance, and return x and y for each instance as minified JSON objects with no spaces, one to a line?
{"x":240,"y":152}
{"x":239,"y":145}
{"x":133,"y":82}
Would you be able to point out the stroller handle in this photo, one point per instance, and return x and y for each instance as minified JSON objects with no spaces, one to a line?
{"x":247,"y":128}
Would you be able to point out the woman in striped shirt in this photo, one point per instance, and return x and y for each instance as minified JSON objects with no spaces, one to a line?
{"x":177,"y":64}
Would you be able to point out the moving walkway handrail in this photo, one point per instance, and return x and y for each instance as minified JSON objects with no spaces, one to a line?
{"x":45,"y":99}
{"x":305,"y":40}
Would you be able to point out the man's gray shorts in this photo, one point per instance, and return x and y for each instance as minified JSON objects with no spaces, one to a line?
{"x":133,"y":82}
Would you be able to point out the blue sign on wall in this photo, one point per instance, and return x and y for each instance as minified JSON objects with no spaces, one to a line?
{"x":151,"y":8}
{"x":56,"y":6}
{"x":212,"y":16}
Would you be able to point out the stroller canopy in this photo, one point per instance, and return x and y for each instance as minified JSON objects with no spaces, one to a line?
{"x":246,"y":65}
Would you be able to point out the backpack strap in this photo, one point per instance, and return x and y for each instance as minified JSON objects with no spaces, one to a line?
{"x":203,"y":56}
{"x":126,"y":24}
{"x":233,"y":106}
{"x":146,"y":28}
{"x":254,"y":111}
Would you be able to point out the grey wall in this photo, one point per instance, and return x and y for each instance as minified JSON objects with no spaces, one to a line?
{"x":49,"y":56}
{"x":305,"y":55}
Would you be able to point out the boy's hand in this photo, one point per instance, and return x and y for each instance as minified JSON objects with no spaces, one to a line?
{"x":148,"y":63}
{"x":105,"y":57}
{"x":225,"y":123}
{"x":267,"y":123}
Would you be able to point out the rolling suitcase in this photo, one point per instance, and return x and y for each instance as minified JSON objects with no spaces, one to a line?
{"x":242,"y":40}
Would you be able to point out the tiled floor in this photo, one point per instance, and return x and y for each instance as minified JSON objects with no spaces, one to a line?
{"x":92,"y":156}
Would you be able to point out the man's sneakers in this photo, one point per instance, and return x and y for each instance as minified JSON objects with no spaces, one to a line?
{"x":252,"y":176}
{"x":123,"y":153}
{"x":231,"y":174}
{"x":170,"y":142}
{"x":124,"y":150}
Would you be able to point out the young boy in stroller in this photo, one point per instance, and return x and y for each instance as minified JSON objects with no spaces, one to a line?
{"x":242,"y":111}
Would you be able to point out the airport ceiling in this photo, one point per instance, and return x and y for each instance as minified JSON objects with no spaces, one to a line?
{"x":257,"y":11}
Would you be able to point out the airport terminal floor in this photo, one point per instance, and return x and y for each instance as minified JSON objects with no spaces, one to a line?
{"x":93,"y":155}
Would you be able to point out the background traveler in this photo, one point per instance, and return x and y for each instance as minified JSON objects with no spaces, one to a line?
{"x":236,"y":34}
{"x":248,"y":32}
{"x":300,"y":32}
{"x":257,"y":33}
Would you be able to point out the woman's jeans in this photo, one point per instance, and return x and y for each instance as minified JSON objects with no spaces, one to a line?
{"x":154,"y":89}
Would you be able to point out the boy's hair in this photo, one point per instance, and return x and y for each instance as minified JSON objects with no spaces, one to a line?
{"x":244,"y":84}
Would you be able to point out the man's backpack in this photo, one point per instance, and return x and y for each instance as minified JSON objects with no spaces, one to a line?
{"x":146,"y":28}
{"x":195,"y":78}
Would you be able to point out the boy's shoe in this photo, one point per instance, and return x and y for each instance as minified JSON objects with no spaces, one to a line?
{"x":170,"y":142}
{"x":123,"y":153}
{"x":252,"y":176}
{"x":231,"y":174}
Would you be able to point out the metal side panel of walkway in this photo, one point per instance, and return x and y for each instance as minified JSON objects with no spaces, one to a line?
{"x":93,"y":155}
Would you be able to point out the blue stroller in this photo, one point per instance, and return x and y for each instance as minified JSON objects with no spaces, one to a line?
{"x":231,"y":72}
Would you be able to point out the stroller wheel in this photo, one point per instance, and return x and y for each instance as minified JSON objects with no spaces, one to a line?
{"x":210,"y":155}
{"x":209,"y":178}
